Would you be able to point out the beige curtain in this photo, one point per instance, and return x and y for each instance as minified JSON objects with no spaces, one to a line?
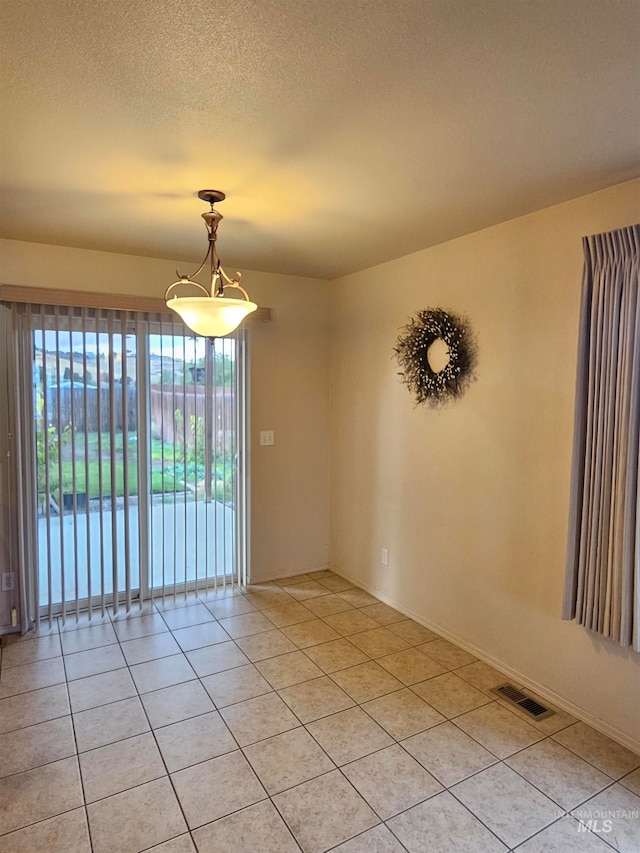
{"x":602,"y":586}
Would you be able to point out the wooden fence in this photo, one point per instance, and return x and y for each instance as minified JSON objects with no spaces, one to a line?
{"x":98,"y":408}
{"x":190,"y":402}
{"x":171,"y":410}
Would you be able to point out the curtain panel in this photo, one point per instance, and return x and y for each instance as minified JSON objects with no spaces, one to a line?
{"x":602,"y":585}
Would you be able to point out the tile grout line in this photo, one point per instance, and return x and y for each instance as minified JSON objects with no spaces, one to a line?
{"x":301,"y":725}
{"x":498,"y":760}
{"x":339,"y":767}
{"x":491,"y":701}
{"x":304,"y":726}
{"x":78,"y":766}
{"x":303,"y":649}
{"x":553,"y":823}
{"x":216,"y":707}
{"x":239,"y":749}
{"x":77,"y":757}
{"x":152,"y":732}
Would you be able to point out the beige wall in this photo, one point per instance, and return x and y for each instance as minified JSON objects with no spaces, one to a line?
{"x":289,"y":394}
{"x":289,"y":376}
{"x":472,"y":500}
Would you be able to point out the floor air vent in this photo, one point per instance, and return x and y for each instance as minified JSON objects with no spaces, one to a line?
{"x":525,"y":703}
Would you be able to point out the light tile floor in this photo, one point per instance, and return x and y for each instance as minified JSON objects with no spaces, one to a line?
{"x":300,"y":714}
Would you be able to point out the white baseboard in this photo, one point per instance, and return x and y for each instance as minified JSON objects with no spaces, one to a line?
{"x":546,"y":693}
{"x":277,"y":575}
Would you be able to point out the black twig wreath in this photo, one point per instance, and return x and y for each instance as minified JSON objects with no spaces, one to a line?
{"x":411,"y":351}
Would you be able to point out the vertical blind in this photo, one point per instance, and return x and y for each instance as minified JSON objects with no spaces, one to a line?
{"x":129,"y":455}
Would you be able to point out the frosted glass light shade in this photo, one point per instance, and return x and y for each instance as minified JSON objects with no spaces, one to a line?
{"x":211,"y":316}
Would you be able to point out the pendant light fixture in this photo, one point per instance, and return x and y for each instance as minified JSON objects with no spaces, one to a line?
{"x":213,"y":315}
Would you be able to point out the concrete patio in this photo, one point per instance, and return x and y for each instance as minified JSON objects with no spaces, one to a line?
{"x":184,"y":536}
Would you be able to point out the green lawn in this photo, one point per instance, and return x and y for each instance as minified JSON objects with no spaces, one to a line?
{"x":160,"y":482}
{"x":170,"y":480}
{"x":159,"y":450}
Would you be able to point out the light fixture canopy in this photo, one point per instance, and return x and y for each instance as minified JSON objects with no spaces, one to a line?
{"x":213,"y":315}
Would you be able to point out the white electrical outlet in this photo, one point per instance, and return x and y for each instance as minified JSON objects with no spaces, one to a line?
{"x":266,"y":438}
{"x":384,"y":557}
{"x":8,"y":581}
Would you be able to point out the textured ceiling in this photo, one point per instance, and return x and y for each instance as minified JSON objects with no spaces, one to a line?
{"x":344,"y":132}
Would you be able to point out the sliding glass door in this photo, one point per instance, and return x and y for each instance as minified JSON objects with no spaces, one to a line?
{"x":193,"y":446}
{"x":131,"y":457}
{"x":85,"y":431}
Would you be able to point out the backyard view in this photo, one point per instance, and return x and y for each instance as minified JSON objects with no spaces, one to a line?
{"x":174,"y":467}
{"x":99,"y":470}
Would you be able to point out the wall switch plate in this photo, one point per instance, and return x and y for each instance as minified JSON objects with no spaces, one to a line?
{"x":8,"y":581}
{"x":384,"y":557}
{"x":266,"y":438}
